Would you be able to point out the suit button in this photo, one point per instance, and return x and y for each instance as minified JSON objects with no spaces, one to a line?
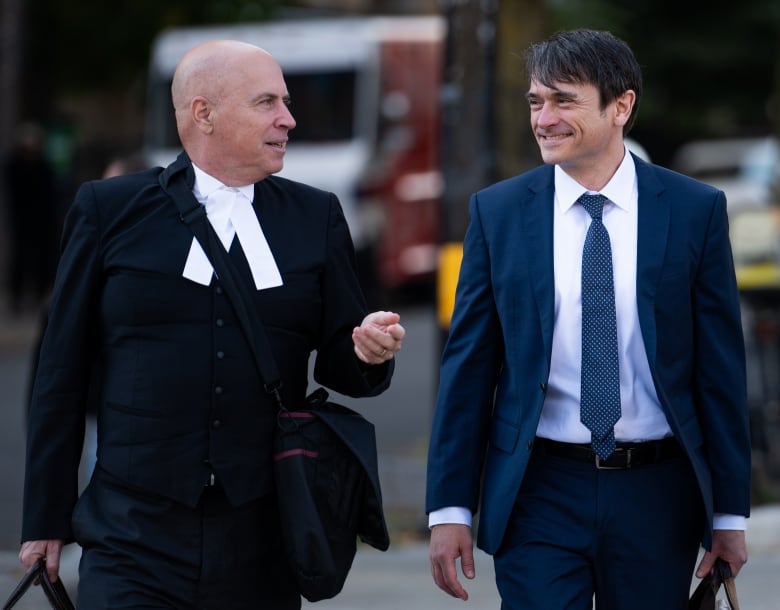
{"x":216,"y":424}
{"x":219,"y":322}
{"x":220,"y":354}
{"x":219,"y":290}
{"x":218,"y":390}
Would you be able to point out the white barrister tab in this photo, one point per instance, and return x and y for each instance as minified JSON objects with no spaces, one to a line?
{"x":256,"y":249}
{"x":198,"y":268}
{"x":231,"y":215}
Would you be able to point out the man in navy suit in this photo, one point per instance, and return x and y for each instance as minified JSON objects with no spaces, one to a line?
{"x":180,"y":511}
{"x":565,"y":518}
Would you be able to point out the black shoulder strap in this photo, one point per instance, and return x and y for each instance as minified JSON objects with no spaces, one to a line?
{"x":193,"y":214}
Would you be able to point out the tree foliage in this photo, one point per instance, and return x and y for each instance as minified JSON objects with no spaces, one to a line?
{"x":710,"y":68}
{"x":91,"y":44}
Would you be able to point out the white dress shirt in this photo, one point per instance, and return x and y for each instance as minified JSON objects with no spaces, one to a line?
{"x":641,"y":416}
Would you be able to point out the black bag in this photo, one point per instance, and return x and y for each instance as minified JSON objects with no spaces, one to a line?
{"x":325,"y":470}
{"x":325,"y":466}
{"x":55,"y":592}
{"x":704,"y":596}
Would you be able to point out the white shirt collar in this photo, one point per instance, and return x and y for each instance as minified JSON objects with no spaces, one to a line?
{"x":236,"y":218}
{"x":206,"y":185}
{"x":568,"y":190}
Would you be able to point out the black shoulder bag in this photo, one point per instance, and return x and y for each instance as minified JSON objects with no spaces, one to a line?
{"x":325,"y":462}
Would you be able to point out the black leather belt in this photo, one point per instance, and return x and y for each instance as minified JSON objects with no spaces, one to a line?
{"x":626,"y":455}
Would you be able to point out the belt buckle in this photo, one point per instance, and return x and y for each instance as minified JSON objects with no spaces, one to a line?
{"x":601,"y":466}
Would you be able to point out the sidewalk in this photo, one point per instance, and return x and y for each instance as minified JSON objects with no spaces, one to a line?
{"x":399,"y":579}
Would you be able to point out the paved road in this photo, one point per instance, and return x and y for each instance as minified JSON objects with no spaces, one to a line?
{"x":400,"y":581}
{"x":396,"y":580}
{"x":15,"y":340}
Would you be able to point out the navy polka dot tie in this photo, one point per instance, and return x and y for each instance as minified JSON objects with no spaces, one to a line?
{"x":600,"y":383}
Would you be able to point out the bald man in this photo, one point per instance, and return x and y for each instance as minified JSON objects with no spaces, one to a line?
{"x":180,"y":511}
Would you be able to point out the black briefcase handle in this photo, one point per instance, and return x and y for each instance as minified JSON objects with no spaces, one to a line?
{"x":55,"y":591}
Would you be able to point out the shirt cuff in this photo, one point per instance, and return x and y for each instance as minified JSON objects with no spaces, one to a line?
{"x":450,"y":514}
{"x":721,"y":521}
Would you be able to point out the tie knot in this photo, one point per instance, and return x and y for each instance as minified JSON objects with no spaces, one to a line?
{"x":593,"y":204}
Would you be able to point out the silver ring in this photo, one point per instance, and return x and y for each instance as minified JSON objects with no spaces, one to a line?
{"x":383,"y":352}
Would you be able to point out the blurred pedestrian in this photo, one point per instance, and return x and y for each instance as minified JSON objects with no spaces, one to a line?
{"x":124,"y":164}
{"x":181,"y":511}
{"x":32,"y":199}
{"x":592,"y":403}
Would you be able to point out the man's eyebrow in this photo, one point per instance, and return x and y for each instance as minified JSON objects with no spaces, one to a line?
{"x":268,"y":95}
{"x":556,"y":93}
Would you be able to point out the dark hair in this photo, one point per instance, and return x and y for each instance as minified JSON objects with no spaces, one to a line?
{"x":587,"y":57}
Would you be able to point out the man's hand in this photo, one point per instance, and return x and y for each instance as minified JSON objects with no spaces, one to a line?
{"x":448,"y":543}
{"x":50,"y":550}
{"x":730,"y":546}
{"x":378,"y":337}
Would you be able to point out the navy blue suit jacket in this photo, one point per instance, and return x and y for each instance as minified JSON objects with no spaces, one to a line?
{"x":496,"y":363}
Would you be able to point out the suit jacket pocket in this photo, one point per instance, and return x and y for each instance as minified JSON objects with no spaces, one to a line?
{"x":504,"y":435}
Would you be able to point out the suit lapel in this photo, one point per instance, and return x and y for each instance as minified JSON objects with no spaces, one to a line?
{"x":653,"y":231}
{"x":654,"y":216}
{"x":538,"y":240}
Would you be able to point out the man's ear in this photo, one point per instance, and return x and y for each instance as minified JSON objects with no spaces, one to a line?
{"x":624,"y":104}
{"x":202,"y":114}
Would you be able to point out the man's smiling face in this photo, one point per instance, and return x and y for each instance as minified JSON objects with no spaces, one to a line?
{"x":570,"y":125}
